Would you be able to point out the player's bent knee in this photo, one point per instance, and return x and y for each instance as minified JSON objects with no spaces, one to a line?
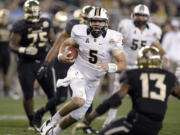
{"x":28,"y":97}
{"x":78,"y":102}
{"x":77,"y":116}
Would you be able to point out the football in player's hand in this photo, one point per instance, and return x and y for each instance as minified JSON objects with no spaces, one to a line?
{"x":73,"y":52}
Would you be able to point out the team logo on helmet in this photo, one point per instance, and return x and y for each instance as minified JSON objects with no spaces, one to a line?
{"x":149,"y":57}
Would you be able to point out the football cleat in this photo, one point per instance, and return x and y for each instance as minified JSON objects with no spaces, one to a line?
{"x":87,"y":129}
{"x":37,"y":121}
{"x":51,"y":132}
{"x":107,"y":122}
{"x":30,"y":128}
{"x":47,"y":126}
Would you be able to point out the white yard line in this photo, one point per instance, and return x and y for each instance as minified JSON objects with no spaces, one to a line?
{"x":20,"y":117}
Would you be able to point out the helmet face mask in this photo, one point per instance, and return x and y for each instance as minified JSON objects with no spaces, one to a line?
{"x":140,"y":15}
{"x":98,"y":26}
{"x":98,"y":21}
{"x":140,"y":20}
{"x":149,"y":57}
{"x":32,"y":11}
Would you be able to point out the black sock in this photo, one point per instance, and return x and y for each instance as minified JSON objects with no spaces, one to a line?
{"x":53,"y":111}
{"x":30,"y":117}
{"x":6,"y":90}
{"x":41,"y":111}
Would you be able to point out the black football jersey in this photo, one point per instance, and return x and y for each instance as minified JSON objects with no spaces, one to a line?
{"x":4,"y":36}
{"x":149,"y":90}
{"x":34,"y":35}
{"x":70,"y":25}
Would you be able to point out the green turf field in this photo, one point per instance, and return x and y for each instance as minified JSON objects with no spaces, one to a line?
{"x":13,"y":120}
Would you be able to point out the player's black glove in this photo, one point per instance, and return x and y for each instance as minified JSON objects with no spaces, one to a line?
{"x":43,"y":70}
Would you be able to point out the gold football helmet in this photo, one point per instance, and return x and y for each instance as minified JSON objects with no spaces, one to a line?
{"x":60,"y":19}
{"x":149,"y":57}
{"x":4,"y":16}
{"x":82,"y":14}
{"x":77,"y":14}
{"x":32,"y":11}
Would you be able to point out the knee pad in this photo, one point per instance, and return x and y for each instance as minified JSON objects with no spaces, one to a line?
{"x":80,"y":112}
{"x":77,"y":116}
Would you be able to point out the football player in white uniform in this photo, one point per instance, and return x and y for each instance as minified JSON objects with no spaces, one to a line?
{"x":96,"y":46}
{"x":138,"y":32}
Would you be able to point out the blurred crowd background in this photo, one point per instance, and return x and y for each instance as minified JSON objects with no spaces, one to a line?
{"x":162,"y":12}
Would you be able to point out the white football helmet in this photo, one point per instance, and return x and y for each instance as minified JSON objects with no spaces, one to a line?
{"x":98,"y":14}
{"x":141,"y":9}
{"x":140,"y":15}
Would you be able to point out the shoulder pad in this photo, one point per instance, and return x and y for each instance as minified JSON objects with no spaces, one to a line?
{"x":156,"y":30}
{"x":114,"y":37}
{"x":19,"y":25}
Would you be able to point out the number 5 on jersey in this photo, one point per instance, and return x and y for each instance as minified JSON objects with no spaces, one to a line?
{"x":135,"y":44}
{"x":93,"y":56}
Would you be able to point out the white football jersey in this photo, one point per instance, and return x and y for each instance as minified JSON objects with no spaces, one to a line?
{"x":92,"y":50}
{"x":170,"y":44}
{"x":135,"y":38}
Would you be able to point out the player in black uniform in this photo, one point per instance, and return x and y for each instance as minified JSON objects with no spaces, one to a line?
{"x":149,"y":87}
{"x":4,"y":48}
{"x":61,"y":67}
{"x":29,"y":39}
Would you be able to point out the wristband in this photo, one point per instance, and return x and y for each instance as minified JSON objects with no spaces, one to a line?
{"x":22,"y":49}
{"x":59,"y":55}
{"x":112,"y":67}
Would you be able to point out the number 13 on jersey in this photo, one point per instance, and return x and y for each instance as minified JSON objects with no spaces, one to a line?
{"x":159,"y":83}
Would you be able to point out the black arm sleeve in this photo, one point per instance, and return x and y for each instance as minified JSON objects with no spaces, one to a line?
{"x":112,"y":101}
{"x":70,"y":25}
{"x":18,"y":27}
